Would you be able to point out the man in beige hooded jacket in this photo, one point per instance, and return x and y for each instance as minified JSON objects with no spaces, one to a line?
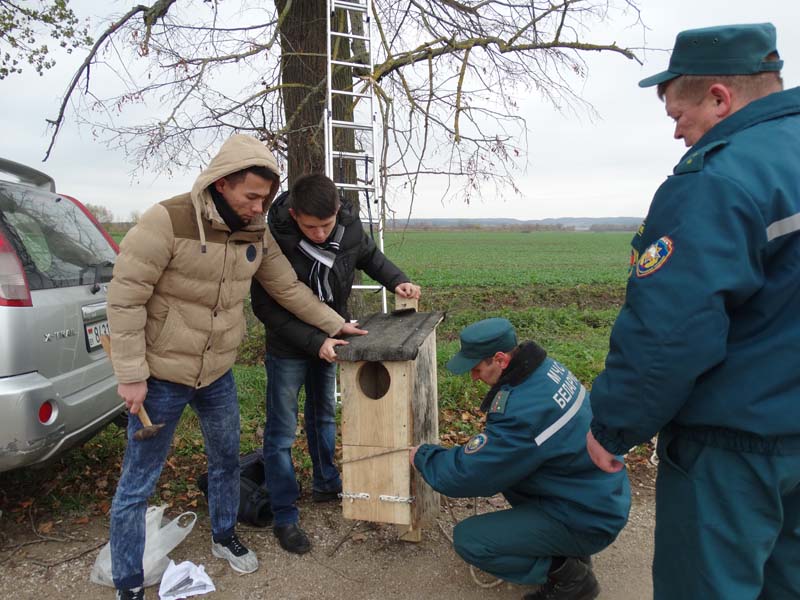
{"x":175,"y":310}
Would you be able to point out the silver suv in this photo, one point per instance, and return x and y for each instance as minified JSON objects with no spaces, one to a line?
{"x":56,"y":384}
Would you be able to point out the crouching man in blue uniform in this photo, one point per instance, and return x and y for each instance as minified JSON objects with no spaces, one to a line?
{"x":706,"y":349}
{"x":532,"y":450}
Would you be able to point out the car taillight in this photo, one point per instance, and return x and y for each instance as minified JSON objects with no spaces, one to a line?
{"x":45,"y":412}
{"x":14,"y":290}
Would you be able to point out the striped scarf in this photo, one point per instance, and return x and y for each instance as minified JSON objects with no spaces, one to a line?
{"x":323,"y":256}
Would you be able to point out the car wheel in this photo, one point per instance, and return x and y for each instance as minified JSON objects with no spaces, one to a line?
{"x":121,"y":420}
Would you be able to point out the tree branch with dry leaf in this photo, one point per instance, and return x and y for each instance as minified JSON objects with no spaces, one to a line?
{"x":448,"y":75}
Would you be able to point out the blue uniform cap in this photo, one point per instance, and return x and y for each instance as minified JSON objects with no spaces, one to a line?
{"x":722,"y":50}
{"x":482,"y":340}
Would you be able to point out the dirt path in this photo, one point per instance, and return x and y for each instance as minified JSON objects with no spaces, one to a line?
{"x":370,"y":563}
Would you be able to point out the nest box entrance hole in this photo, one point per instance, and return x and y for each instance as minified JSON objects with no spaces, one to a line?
{"x":374,"y":380}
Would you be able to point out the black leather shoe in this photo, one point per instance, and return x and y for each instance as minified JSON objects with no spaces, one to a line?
{"x":331,"y":496}
{"x":574,"y":580}
{"x":292,"y":538}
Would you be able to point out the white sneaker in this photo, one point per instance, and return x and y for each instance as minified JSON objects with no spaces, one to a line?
{"x":236,"y":553}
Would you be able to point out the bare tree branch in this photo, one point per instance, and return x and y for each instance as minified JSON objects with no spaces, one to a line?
{"x":58,"y":121}
{"x":448,"y":77}
{"x":459,"y":92}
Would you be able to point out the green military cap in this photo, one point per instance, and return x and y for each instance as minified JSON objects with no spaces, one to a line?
{"x":482,"y":340}
{"x":723,"y":50}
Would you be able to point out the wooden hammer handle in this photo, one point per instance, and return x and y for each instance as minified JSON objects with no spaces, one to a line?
{"x":143,"y":417}
{"x":105,"y":342}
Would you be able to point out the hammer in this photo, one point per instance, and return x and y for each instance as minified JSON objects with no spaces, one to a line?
{"x":148,"y":430}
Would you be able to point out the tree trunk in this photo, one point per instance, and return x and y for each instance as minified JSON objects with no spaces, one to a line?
{"x":303,"y":50}
{"x":303,"y":64}
{"x":304,"y":71}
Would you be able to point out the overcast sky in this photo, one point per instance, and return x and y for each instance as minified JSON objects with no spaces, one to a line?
{"x":577,"y":166}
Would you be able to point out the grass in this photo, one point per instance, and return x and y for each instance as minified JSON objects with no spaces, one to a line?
{"x":498,"y":259}
{"x":561,"y":289}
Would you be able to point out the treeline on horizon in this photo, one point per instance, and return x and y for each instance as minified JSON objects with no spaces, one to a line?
{"x":514,"y":228}
{"x":121,"y":227}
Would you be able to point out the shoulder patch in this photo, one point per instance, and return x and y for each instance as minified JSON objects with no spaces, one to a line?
{"x":655,"y":256}
{"x":475,"y":443}
{"x":499,"y":402}
{"x":694,"y":162}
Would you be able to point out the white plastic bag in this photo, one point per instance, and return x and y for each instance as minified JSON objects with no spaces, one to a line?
{"x":184,"y":580}
{"x":159,"y":541}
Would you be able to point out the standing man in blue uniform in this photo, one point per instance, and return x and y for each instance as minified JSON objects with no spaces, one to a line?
{"x":532,"y":451}
{"x":706,"y":349}
{"x":325,"y":242}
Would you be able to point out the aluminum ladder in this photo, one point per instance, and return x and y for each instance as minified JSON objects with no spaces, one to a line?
{"x":364,"y":122}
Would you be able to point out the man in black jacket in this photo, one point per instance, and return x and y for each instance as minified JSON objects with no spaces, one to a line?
{"x":325,"y":242}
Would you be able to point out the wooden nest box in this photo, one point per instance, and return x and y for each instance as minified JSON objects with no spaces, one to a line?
{"x":389,"y":403}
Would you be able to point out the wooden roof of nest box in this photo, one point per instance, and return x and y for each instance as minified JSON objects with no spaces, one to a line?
{"x":396,"y":336}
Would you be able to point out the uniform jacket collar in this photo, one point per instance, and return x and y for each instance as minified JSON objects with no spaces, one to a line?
{"x":527,"y":359}
{"x":774,"y":106}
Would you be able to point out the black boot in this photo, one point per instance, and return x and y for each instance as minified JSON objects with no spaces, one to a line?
{"x":328,"y":496}
{"x":292,"y":538}
{"x":573,"y":580}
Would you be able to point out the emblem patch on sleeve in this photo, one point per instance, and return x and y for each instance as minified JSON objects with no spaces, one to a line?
{"x":475,"y":443}
{"x":654,"y":257}
{"x":634,"y":261}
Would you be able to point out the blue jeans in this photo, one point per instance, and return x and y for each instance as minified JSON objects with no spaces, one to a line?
{"x":285,"y":376}
{"x":217,"y":407}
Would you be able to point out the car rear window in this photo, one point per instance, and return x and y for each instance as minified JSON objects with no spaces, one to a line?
{"x":57,"y":244}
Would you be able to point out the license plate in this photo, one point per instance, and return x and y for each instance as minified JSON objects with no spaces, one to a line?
{"x":94,"y":331}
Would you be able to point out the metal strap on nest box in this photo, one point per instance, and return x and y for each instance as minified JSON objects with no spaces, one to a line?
{"x":354,"y":496}
{"x":398,"y":499}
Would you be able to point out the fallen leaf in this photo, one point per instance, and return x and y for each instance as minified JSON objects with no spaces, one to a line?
{"x":46,"y":527}
{"x":358,"y":537}
{"x":81,"y":521}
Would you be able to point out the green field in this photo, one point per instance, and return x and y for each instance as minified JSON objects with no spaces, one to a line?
{"x":489,"y":258}
{"x":561,"y":289}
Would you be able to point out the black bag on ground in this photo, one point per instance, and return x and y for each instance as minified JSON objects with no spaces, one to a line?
{"x":254,"y":507}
